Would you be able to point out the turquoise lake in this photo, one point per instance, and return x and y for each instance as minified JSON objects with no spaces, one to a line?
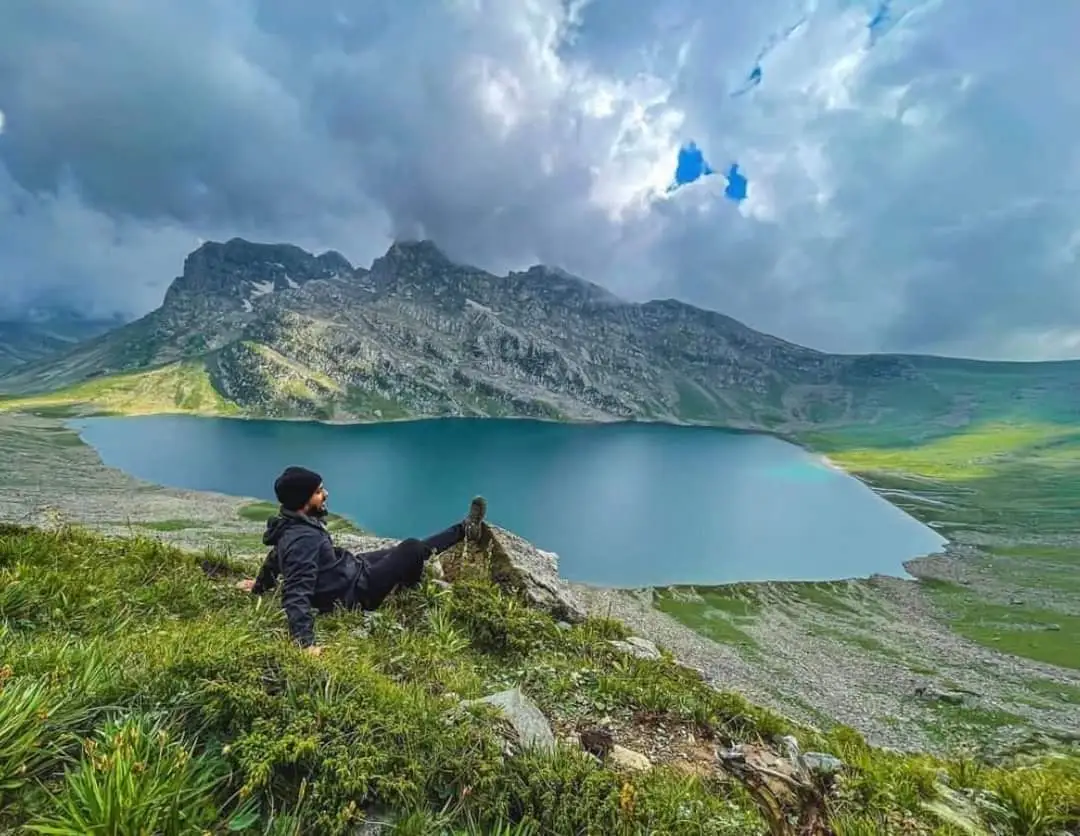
{"x":627,"y":505}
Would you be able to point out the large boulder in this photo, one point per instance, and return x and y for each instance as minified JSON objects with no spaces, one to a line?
{"x":519,"y":568}
{"x":530,"y":726}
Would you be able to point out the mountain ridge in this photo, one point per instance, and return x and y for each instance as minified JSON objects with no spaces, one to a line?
{"x":45,"y":333}
{"x":282,"y":332}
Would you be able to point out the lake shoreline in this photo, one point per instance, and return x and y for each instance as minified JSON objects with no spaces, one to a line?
{"x":716,"y":485}
{"x":841,"y":659}
{"x":908,"y":570}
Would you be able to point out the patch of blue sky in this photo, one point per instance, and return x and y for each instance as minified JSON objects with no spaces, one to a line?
{"x":691,"y":166}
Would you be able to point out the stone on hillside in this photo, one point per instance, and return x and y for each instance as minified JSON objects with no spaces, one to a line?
{"x":624,"y":758}
{"x":636,"y":646}
{"x":694,"y":669}
{"x":948,"y":697}
{"x":518,"y":567}
{"x":528,"y":722}
{"x":820,"y":763}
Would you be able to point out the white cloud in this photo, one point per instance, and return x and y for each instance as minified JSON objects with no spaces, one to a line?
{"x":911,"y":187}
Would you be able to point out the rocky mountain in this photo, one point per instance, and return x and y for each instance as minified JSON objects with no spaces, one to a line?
{"x":281,"y":332}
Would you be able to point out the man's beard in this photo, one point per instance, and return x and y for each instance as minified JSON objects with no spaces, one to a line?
{"x":319,"y":513}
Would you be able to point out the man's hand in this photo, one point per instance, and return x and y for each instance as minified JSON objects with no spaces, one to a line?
{"x":313,"y":650}
{"x":246,"y":585}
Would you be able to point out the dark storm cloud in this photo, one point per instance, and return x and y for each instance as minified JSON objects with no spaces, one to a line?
{"x":911,"y":165}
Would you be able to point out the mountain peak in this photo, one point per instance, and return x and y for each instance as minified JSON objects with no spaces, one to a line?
{"x":240,"y":270}
{"x":417,"y":250}
{"x":559,"y":281}
{"x":411,"y":260}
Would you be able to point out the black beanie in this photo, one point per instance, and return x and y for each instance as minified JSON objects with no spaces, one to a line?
{"x":295,"y":486}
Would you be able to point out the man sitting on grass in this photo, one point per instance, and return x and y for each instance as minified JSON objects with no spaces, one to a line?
{"x":318,"y":575}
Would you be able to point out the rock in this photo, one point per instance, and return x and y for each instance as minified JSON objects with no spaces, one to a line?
{"x":820,"y":763}
{"x":564,"y":625}
{"x":532,"y":728}
{"x":518,"y":567}
{"x":629,"y":759}
{"x":694,"y":669}
{"x":642,"y":648}
{"x":947,"y":697}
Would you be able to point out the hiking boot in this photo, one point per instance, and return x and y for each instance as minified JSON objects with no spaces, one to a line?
{"x":474,"y":522}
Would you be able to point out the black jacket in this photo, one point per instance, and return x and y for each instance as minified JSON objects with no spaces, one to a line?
{"x":316,"y":574}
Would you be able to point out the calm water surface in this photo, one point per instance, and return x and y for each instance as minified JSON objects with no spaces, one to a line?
{"x":622,"y":505}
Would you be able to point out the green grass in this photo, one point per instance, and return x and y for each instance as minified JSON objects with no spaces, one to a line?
{"x":177,"y":388}
{"x":1064,"y":556}
{"x":717,"y":613}
{"x":720,"y":612}
{"x":261,"y":511}
{"x":1016,"y":482}
{"x":139,"y":695}
{"x":1037,"y":569}
{"x":173,"y":525}
{"x":830,"y":597}
{"x":694,"y":404}
{"x":857,"y":639}
{"x":1041,"y":634}
{"x":948,"y":722}
{"x":1057,"y":691}
{"x":257,"y":511}
{"x":367,"y":404}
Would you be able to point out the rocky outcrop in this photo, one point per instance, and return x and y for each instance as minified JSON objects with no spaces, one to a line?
{"x":243,"y":271}
{"x":519,"y":568}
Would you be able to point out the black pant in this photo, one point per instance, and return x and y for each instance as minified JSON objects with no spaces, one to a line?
{"x":400,"y":565}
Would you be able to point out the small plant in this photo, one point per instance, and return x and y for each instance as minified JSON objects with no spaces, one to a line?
{"x":135,"y":778}
{"x":34,"y":722}
{"x":447,"y":638}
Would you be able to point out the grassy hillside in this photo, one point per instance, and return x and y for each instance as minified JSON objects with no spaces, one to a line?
{"x":1012,"y":490}
{"x":938,"y":398}
{"x":141,"y":693}
{"x":25,"y":342}
{"x":179,"y":387}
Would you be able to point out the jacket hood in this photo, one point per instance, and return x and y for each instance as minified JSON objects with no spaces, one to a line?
{"x":274,"y":528}
{"x":276,"y":525}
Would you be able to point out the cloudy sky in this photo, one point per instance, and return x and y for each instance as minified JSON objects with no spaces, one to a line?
{"x":907,"y":172}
